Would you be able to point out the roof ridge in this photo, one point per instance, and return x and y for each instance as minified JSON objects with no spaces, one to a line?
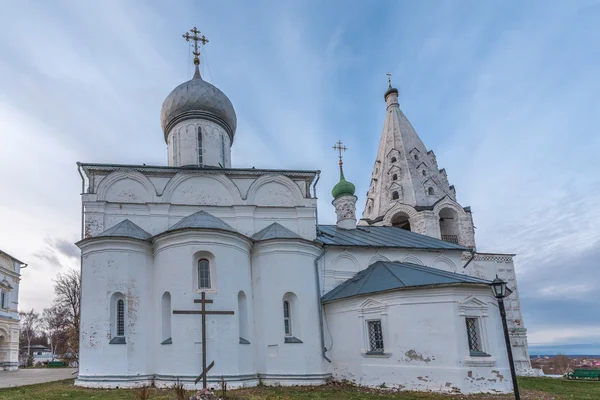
{"x":393,"y":273}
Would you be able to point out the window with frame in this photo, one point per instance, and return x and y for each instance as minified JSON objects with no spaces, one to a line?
{"x":120,"y":328}
{"x":287,"y":318}
{"x":375,"y":334}
{"x":3,"y":299}
{"x":474,"y":336}
{"x":203,"y":274}
{"x":200,"y":161}
{"x":176,"y":148}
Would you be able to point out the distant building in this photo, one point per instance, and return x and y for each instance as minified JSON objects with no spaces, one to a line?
{"x":41,"y":354}
{"x":10,"y":276}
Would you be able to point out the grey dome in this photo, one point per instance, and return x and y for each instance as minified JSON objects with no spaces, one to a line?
{"x":197,"y":98}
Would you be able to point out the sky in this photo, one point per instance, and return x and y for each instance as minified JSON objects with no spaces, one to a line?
{"x":506,"y":93}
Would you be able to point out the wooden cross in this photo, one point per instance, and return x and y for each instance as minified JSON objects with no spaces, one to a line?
{"x":339,"y":147}
{"x":203,"y":312}
{"x":195,"y":37}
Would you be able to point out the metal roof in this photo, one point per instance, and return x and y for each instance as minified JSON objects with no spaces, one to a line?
{"x":126,"y":228}
{"x":383,"y":276}
{"x":202,"y":219}
{"x":275,"y":231}
{"x":380,"y":236}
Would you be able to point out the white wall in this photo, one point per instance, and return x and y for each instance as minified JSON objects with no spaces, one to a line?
{"x":425,"y":341}
{"x":280,"y":267}
{"x":10,"y":272}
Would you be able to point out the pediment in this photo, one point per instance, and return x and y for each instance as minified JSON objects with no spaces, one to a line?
{"x":422,"y":164}
{"x":414,"y":149}
{"x":371,"y":303}
{"x":394,"y":169}
{"x":473,"y":302}
{"x":392,"y":152}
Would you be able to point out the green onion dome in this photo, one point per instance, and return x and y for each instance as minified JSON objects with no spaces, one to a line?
{"x":343,"y":187}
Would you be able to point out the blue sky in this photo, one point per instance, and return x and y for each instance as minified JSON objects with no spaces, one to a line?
{"x":506,"y":93}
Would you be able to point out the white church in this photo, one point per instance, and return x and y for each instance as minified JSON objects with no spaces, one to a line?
{"x":399,"y":298}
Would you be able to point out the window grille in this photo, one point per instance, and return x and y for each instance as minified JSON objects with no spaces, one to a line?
{"x":203,"y":274}
{"x":375,"y":336}
{"x":287,"y":320}
{"x":120,"y":317}
{"x":223,"y":151}
{"x":473,"y":335}
{"x":200,"y":161}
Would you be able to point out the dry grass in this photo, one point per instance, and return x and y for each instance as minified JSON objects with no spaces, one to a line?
{"x":532,"y":389}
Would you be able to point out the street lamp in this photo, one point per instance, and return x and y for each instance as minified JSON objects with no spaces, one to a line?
{"x":500,"y":292}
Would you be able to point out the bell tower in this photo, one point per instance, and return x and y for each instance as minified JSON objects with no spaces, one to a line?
{"x":407,"y":188}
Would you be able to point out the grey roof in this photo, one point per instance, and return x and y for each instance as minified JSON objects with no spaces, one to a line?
{"x":126,"y":228}
{"x":383,"y":276}
{"x":197,"y":98}
{"x":202,"y":219}
{"x":275,"y":231}
{"x":380,"y":236}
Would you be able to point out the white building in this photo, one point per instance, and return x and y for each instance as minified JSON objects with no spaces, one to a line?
{"x":299,"y":303}
{"x":10,"y":276}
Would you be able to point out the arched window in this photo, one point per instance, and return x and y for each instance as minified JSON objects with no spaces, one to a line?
{"x":416,"y":157}
{"x":200,"y":161}
{"x":395,"y":196}
{"x":395,"y":177}
{"x":203,"y":274}
{"x":370,"y":209}
{"x":166,"y":318}
{"x":223,"y":151}
{"x":430,"y":191}
{"x":424,"y":173}
{"x":394,"y":159}
{"x":291,"y":320}
{"x":287,"y":318}
{"x":176,"y":148}
{"x":117,"y":318}
{"x":243,"y":318}
{"x":401,"y":220}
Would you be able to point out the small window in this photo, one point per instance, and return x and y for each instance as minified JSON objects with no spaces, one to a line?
{"x":375,"y":336}
{"x":394,"y":159}
{"x":120,"y":318}
{"x":176,"y":148}
{"x":287,"y":318}
{"x":416,"y":157}
{"x":223,"y":151}
{"x":395,"y":177}
{"x":203,"y":274}
{"x":395,"y":196}
{"x":424,"y":173}
{"x":3,"y":300}
{"x":370,"y":209}
{"x":430,"y":191}
{"x":473,"y":335}
{"x":200,"y":161}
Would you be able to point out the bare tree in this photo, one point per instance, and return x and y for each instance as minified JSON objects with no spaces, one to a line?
{"x":67,"y":288}
{"x":52,"y":324}
{"x":29,"y":324}
{"x":561,"y":364}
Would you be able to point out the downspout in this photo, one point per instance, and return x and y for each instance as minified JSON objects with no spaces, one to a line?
{"x":319,"y":305}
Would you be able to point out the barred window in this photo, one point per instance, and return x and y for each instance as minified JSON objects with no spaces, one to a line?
{"x":287,"y":320}
{"x":120,"y":317}
{"x":473,"y":335}
{"x":375,"y":336}
{"x":203,"y":274}
{"x":200,"y":161}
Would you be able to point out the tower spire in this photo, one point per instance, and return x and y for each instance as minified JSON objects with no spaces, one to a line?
{"x":195,"y":37}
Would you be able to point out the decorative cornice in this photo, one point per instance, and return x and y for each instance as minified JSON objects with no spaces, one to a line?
{"x":488,"y":257}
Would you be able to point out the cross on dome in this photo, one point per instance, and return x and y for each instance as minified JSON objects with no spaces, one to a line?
{"x":195,"y":37}
{"x":339,"y":147}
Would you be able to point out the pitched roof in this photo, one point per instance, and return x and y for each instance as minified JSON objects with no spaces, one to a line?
{"x":275,"y":231}
{"x":380,"y":236}
{"x":383,"y":276}
{"x":202,"y":219}
{"x":126,"y":228}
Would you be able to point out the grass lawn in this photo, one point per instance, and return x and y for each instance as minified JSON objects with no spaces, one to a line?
{"x":531,"y":388}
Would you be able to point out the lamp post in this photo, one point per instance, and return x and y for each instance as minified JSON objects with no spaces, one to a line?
{"x":500,"y":292}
